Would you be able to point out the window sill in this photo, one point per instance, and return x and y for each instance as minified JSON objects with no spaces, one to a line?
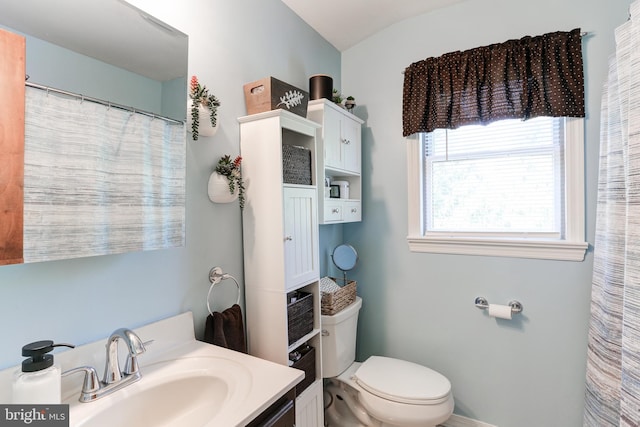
{"x":515,"y":248}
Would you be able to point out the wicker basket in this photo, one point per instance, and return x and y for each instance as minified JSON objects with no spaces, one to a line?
{"x":333,"y":302}
{"x":296,"y":165}
{"x":306,"y":363}
{"x":299,"y":315}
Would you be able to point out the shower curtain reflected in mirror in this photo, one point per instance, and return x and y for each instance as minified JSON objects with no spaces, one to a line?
{"x":99,"y":180}
{"x":613,"y":364}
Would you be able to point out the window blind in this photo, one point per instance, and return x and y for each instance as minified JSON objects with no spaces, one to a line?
{"x":506,"y":177}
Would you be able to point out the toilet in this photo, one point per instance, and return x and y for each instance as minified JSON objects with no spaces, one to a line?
{"x":381,"y":391}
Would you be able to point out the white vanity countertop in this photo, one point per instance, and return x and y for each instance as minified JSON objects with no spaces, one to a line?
{"x":173,"y":338}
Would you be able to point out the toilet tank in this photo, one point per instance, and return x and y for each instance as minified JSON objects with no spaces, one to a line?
{"x":339,"y":340}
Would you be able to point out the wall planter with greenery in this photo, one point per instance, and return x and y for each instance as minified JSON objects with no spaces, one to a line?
{"x":225,"y":183}
{"x":203,"y":110}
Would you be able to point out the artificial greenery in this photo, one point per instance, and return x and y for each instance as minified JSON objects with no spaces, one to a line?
{"x":231,"y":169}
{"x":349,"y":102}
{"x":200,"y":96}
{"x":337,"y":97}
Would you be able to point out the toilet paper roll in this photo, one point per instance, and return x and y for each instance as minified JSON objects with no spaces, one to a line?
{"x":500,"y":311}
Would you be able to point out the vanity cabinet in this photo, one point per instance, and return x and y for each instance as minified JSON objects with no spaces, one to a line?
{"x":280,"y":414}
{"x":339,"y":142}
{"x":281,"y":252}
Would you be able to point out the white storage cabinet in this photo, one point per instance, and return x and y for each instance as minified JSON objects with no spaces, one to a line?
{"x":339,"y":141}
{"x":280,"y":233}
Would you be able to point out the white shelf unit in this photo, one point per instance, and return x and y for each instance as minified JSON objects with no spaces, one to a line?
{"x":339,"y":147}
{"x":281,"y":252}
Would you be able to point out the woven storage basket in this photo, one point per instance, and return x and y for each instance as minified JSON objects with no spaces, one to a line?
{"x":299,"y":315}
{"x":307,"y":363}
{"x":296,"y":165}
{"x":333,"y":302}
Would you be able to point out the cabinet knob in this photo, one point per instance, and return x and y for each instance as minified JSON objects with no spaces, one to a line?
{"x":288,"y":238}
{"x":354,"y":210}
{"x":346,"y":141}
{"x":335,"y":210}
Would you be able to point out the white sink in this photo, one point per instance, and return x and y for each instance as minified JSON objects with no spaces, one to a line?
{"x":191,"y":391}
{"x":184,"y":382}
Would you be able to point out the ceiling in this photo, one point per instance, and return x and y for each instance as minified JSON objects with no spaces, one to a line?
{"x":112,"y":31}
{"x":346,"y":23}
{"x":341,"y":23}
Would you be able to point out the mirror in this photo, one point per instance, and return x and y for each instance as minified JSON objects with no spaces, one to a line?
{"x":345,"y":258}
{"x":104,"y":49}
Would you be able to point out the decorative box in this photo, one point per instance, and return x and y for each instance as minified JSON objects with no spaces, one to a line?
{"x":270,"y":94}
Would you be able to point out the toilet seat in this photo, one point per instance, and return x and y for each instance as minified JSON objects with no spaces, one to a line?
{"x":403,"y":382}
{"x":387,"y":409}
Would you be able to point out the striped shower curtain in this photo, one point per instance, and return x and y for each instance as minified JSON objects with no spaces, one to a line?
{"x":613,"y":365}
{"x":99,"y":180}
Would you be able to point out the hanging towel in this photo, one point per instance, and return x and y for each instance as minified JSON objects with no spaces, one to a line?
{"x":226,"y":329}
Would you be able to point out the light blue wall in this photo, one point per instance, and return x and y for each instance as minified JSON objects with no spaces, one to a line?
{"x":528,"y":372}
{"x":524,"y":373}
{"x":330,"y":236}
{"x":48,"y":64}
{"x":78,"y":301}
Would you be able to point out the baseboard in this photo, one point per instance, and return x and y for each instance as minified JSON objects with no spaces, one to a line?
{"x":460,"y":421}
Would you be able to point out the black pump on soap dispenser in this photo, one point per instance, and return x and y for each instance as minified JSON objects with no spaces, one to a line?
{"x":38,"y":381}
{"x":38,"y":357}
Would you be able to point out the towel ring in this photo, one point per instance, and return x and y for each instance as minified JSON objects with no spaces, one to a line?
{"x":216,"y":276}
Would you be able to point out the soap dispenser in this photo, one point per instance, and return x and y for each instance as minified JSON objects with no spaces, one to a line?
{"x":39,"y":380}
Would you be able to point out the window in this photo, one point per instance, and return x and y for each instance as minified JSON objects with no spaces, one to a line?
{"x":511,"y":188}
{"x":502,"y":178}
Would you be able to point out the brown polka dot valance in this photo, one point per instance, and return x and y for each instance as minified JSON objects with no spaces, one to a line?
{"x":530,"y":77}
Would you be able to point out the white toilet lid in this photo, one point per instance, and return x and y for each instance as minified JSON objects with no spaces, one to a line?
{"x":402,"y":381}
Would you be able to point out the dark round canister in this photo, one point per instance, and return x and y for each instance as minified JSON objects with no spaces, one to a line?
{"x":320,"y":86}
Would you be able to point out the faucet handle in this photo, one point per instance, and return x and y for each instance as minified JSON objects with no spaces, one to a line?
{"x":91,"y":383}
{"x":131,"y":367}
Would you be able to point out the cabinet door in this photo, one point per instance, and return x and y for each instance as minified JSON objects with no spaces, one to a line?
{"x":332,"y":138}
{"x":301,"y":236}
{"x":351,"y":141}
{"x":309,"y":407}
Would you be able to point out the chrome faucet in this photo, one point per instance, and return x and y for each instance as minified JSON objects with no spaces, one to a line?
{"x":112,"y":372}
{"x":114,"y":378}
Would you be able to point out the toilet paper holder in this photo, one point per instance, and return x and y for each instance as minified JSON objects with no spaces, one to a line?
{"x":482,"y":303}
